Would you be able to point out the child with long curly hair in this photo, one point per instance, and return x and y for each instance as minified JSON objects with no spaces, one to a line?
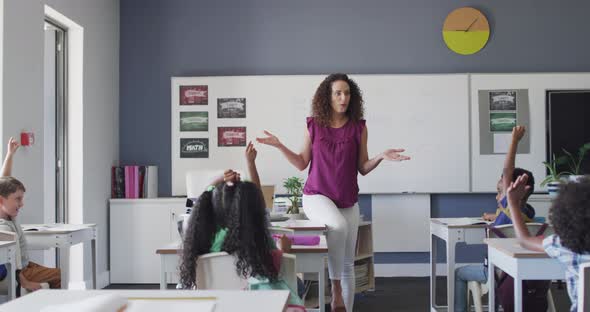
{"x":231,"y":217}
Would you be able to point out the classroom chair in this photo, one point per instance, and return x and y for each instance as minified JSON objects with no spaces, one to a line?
{"x":217,"y":270}
{"x":478,"y":289}
{"x":584,"y":288}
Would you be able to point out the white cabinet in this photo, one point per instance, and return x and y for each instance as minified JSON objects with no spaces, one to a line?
{"x":137,"y":228}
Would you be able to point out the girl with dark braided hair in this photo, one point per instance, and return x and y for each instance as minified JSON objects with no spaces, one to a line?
{"x":231,"y":217}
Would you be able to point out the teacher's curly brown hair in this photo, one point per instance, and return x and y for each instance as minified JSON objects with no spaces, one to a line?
{"x":321,"y":107}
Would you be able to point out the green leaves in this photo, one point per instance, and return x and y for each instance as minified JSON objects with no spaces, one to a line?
{"x":294,"y":187}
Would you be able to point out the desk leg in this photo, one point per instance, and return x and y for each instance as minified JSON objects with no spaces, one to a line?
{"x":64,"y":265}
{"x":451,"y":243}
{"x":93,"y":252}
{"x":321,"y":285}
{"x":162,"y":273}
{"x":11,"y":278}
{"x":517,"y":294}
{"x":491,"y":287}
{"x":433,"y":305}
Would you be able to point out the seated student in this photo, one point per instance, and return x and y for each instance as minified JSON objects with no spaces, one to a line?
{"x":570,"y":217}
{"x":479,"y":272}
{"x":29,"y":275}
{"x":231,"y":217}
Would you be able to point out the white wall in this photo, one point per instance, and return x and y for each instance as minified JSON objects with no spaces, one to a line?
{"x":23,"y":103}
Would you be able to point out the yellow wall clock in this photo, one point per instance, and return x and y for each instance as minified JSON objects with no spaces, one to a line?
{"x":466,"y":30}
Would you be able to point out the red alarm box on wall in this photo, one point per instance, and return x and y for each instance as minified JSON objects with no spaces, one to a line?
{"x":27,"y":138}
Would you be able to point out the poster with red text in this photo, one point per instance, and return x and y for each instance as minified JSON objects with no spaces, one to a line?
{"x":231,"y":136}
{"x":194,"y":95}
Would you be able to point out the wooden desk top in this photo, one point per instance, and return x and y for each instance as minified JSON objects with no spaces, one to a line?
{"x":58,"y":228}
{"x":301,"y":225}
{"x":512,"y":248}
{"x":225,"y":300}
{"x":176,"y":248}
{"x":465,"y":223}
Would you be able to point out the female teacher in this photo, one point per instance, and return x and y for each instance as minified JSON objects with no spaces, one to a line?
{"x":335,"y":142}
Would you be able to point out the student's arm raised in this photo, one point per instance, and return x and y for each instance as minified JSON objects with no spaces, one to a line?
{"x":516,"y":193}
{"x":301,"y":160}
{"x":7,"y":165}
{"x":517,"y":134}
{"x":251,"y":159}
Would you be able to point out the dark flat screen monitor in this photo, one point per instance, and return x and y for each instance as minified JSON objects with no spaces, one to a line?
{"x":568,"y":124}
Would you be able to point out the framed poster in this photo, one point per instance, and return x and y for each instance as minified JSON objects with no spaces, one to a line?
{"x":231,"y":136}
{"x":194,"y":95}
{"x":194,"y":148}
{"x":194,"y":121}
{"x":231,"y":108}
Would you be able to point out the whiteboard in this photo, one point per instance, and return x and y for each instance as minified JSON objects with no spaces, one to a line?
{"x":428,"y":115}
{"x":486,"y":169}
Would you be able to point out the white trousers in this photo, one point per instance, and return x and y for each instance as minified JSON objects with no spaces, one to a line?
{"x":341,"y":238}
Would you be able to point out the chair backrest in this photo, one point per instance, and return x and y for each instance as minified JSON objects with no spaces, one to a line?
{"x":217,"y":270}
{"x":508,"y":230}
{"x":584,"y":288}
{"x":269,"y":193}
{"x":288,"y":272}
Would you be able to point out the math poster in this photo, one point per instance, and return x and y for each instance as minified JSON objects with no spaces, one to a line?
{"x":194,"y":148}
{"x":194,"y":95}
{"x":231,"y":108}
{"x":231,"y":136}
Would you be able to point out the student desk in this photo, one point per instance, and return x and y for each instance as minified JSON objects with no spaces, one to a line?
{"x":303,"y":227}
{"x":522,"y":264}
{"x":445,"y":229}
{"x":63,"y":236}
{"x":8,"y":256}
{"x":309,"y":259}
{"x":225,"y":300}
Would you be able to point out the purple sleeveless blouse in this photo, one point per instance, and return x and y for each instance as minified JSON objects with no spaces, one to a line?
{"x":334,"y":162}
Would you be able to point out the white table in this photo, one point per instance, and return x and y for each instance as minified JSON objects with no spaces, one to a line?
{"x":309,"y":259}
{"x":303,"y":227}
{"x":447,"y":230}
{"x":225,"y":301}
{"x":63,"y":236}
{"x":522,"y":264}
{"x":8,"y":256}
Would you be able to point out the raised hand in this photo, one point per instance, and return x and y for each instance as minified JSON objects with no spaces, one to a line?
{"x":231,"y":177}
{"x":518,"y":189}
{"x":518,"y":133}
{"x":394,"y":154}
{"x":251,"y":153}
{"x":12,"y":146}
{"x":270,"y":139}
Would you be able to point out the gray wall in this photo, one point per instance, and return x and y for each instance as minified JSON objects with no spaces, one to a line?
{"x":23,"y":101}
{"x":161,"y":39}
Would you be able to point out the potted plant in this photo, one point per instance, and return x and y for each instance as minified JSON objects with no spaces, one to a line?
{"x":294,"y":187}
{"x":554,"y":178}
{"x":574,"y":162}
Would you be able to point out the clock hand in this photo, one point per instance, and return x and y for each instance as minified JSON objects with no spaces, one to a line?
{"x":475,"y":20}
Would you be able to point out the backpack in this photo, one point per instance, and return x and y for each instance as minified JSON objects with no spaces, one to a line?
{"x":534,"y":293}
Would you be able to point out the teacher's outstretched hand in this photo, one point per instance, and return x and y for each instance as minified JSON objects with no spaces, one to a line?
{"x":270,"y":139}
{"x":394,"y":154}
